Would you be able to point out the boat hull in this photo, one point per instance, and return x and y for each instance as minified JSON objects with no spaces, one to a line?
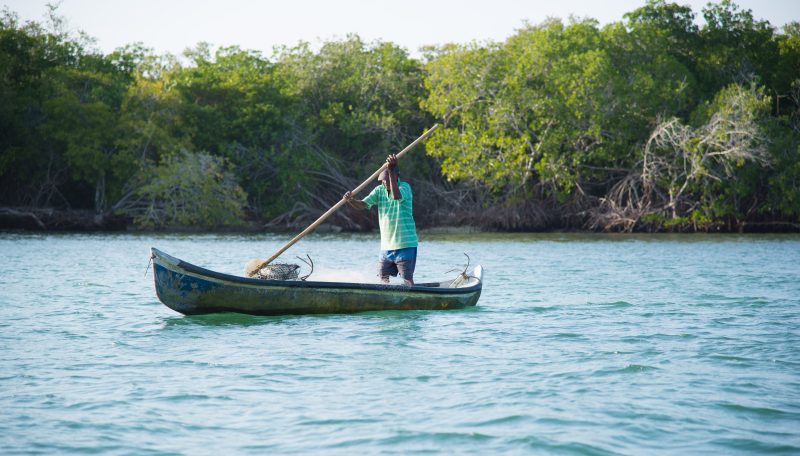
{"x":192,"y":290}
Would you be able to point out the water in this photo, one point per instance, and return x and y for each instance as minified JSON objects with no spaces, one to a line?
{"x":579,"y":345}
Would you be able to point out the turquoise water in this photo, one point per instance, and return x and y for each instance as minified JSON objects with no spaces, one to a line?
{"x":579,"y":345}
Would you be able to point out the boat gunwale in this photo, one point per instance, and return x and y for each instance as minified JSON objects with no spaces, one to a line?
{"x":177,"y":263}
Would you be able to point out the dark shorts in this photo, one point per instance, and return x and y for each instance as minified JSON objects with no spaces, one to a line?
{"x":398,"y":262}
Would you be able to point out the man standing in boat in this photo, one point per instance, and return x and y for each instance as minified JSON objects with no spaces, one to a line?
{"x":398,"y":230}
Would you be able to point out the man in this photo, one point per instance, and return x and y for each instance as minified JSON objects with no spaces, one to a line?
{"x":398,"y":231}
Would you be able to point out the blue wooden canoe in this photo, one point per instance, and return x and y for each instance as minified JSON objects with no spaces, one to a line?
{"x":193,"y":290}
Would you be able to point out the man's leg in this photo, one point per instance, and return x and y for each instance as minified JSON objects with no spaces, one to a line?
{"x":406,"y":270}
{"x":386,"y":268}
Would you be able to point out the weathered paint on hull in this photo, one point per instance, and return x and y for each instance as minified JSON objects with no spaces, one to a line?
{"x":192,"y":290}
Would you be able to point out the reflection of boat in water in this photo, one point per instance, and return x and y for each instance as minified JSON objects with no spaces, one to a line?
{"x":191,"y":290}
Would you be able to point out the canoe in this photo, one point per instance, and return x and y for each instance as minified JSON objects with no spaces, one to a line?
{"x":192,"y":290}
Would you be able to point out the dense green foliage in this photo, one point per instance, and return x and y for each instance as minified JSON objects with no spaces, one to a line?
{"x":564,"y":115}
{"x":651,"y":123}
{"x":189,"y":189}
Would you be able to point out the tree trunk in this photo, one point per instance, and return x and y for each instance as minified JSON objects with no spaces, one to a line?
{"x":100,"y":194}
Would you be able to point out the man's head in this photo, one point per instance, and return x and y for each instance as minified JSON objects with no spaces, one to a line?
{"x":384,"y":175}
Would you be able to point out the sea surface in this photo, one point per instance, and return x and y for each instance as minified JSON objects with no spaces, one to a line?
{"x":580,"y":344}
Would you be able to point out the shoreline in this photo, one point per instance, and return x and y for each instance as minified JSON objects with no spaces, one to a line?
{"x":37,"y":220}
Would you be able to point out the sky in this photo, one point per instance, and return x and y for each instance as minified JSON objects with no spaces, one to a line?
{"x":171,"y":26}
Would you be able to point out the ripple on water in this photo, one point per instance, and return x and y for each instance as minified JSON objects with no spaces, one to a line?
{"x":760,"y":412}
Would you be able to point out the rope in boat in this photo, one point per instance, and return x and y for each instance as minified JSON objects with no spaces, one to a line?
{"x":462,"y":276}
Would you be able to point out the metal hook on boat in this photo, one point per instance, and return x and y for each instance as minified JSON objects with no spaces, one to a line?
{"x":152,"y":256}
{"x":309,"y":263}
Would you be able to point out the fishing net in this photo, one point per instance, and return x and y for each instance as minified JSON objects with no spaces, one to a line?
{"x":279,"y":271}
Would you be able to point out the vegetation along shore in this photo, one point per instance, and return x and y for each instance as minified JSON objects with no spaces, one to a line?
{"x":652,"y":123}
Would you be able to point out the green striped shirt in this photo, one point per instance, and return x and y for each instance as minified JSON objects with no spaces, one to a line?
{"x":398,"y":230}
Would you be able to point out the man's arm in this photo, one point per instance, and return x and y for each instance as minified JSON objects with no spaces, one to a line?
{"x":394,"y":190}
{"x":356,"y":203}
